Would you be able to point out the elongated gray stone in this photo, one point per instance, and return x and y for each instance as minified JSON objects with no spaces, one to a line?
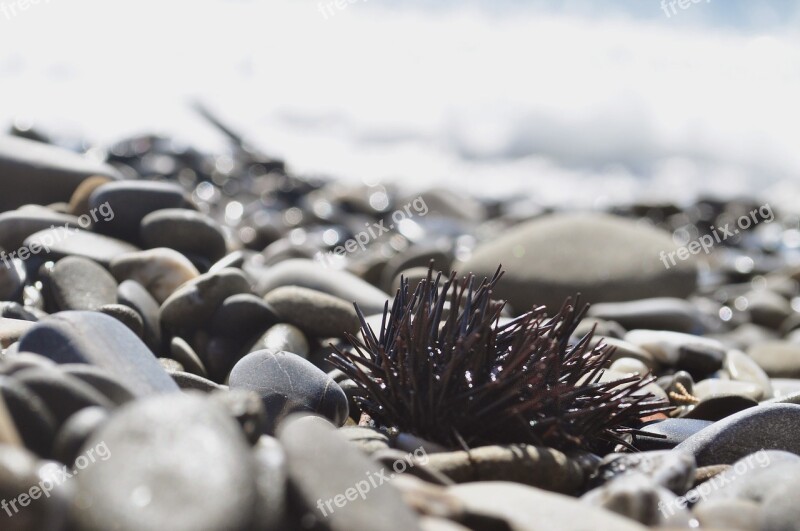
{"x":97,"y":339}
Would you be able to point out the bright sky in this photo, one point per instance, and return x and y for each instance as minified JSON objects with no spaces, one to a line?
{"x":597,"y":100}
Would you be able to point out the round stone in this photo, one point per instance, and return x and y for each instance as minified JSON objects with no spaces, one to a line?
{"x":186,"y":231}
{"x":286,"y":384}
{"x":314,"y":312}
{"x":193,"y":304}
{"x":605,"y":258}
{"x":179,"y":462}
{"x":78,"y":283}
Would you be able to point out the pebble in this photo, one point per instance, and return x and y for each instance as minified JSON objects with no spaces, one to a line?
{"x":314,"y":312}
{"x":35,"y":172}
{"x":169,"y":452}
{"x":271,"y":485}
{"x":79,"y":202}
{"x":57,"y":243}
{"x":368,"y":440}
{"x":161,"y":271}
{"x":287,"y":384}
{"x":713,"y":387}
{"x":131,"y":201}
{"x":63,"y":394}
{"x":78,"y":283}
{"x":312,"y":275}
{"x":15,"y":310}
{"x":243,"y":315}
{"x":97,"y":339}
{"x":188,"y":381}
{"x":283,"y":337}
{"x":76,"y":430}
{"x":183,"y":353}
{"x":135,"y":296}
{"x":187,"y":231}
{"x":12,"y":278}
{"x":607,"y":259}
{"x":779,"y":359}
{"x":743,"y":368}
{"x":525,"y":508}
{"x":324,"y":471}
{"x":125,"y":315}
{"x":665,"y":313}
{"x":666,"y":346}
{"x":767,"y":308}
{"x":33,"y":420}
{"x":193,"y":304}
{"x":770,"y":426}
{"x":17,"y":225}
{"x":720,"y":406}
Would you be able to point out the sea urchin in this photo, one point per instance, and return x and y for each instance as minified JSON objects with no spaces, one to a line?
{"x":462,"y":376}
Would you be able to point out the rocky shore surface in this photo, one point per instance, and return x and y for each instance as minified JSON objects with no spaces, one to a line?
{"x":168,"y":318}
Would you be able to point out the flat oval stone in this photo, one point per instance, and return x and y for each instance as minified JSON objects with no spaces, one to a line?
{"x":672,"y":470}
{"x":665,"y":313}
{"x":178,"y":462}
{"x":666,"y":346}
{"x":39,"y":173}
{"x":287,"y":384}
{"x":78,"y":283}
{"x":161,"y":271}
{"x":768,"y":426}
{"x":323,"y":465}
{"x":188,"y":381}
{"x":97,"y":339}
{"x":314,"y":312}
{"x":605,"y":258}
{"x":194,"y":303}
{"x":310,"y":274}
{"x":187,"y":231}
{"x":17,"y":225}
{"x":131,"y":201}
{"x":779,"y":359}
{"x":55,"y":244}
{"x":767,"y":308}
{"x":75,"y":431}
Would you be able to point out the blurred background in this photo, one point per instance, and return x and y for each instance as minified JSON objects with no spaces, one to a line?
{"x":582,"y":102}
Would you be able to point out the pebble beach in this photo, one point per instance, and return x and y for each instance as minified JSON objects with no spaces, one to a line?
{"x":176,"y":328}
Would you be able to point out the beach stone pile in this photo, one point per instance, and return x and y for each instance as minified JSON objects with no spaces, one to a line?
{"x":167,"y":317}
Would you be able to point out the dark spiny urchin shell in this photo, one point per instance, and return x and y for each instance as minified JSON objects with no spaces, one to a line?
{"x":460,"y":378}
